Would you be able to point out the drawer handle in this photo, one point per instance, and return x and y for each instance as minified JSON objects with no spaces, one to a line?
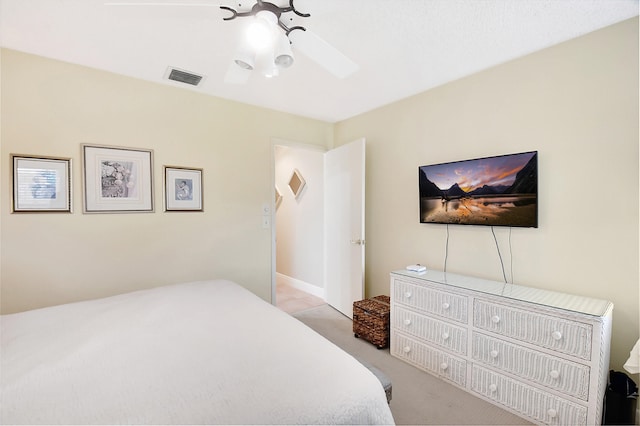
{"x":552,"y":412}
{"x":445,"y":336}
{"x":556,"y":335}
{"x":554,"y":374}
{"x":494,"y":354}
{"x":493,"y":387}
{"x":407,"y":321}
{"x":444,"y":366}
{"x":406,"y":349}
{"x":407,"y":295}
{"x":495,"y":319}
{"x":445,"y":306}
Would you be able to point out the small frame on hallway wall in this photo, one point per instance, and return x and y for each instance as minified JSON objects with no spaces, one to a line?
{"x":41,"y":184}
{"x":117,"y":179}
{"x":182,"y":189}
{"x":278,"y":198}
{"x":296,"y":183}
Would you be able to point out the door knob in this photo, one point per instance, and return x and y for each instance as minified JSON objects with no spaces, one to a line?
{"x":357,"y":242}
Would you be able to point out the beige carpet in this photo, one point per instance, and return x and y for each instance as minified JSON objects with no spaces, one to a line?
{"x":418,"y":397}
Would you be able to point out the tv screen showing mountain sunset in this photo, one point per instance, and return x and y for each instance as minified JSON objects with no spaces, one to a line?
{"x":495,"y":191}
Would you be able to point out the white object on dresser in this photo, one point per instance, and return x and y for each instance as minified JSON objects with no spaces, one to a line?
{"x":540,"y":354}
{"x":416,"y":268}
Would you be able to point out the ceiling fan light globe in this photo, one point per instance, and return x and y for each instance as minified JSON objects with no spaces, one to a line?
{"x":282,"y":51}
{"x":245,"y":58}
{"x":260,"y":31}
{"x":268,"y":17}
{"x":258,"y":36}
{"x":284,"y":61}
{"x":243,"y":64}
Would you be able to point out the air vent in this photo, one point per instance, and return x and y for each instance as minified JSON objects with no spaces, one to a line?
{"x":184,"y":76}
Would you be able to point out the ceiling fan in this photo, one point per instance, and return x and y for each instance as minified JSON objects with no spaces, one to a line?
{"x":269,"y":44}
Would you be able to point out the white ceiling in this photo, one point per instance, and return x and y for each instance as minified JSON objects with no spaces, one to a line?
{"x":402,"y":47}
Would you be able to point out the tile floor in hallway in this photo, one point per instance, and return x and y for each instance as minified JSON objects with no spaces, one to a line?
{"x":291,"y":300}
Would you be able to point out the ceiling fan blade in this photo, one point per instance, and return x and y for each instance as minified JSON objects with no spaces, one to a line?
{"x":318,"y":50}
{"x":236,"y":75}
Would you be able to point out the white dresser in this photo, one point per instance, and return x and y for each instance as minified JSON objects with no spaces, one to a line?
{"x":540,"y":354}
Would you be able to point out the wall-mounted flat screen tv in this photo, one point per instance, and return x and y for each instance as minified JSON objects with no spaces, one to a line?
{"x":495,"y":191}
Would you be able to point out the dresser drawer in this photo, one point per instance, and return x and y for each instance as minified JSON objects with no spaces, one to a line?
{"x":431,"y":360}
{"x":440,"y":333}
{"x":562,"y":335}
{"x":565,"y":376}
{"x":446,"y":305}
{"x":527,"y":400}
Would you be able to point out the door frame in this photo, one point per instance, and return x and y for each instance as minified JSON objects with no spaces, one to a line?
{"x":272,"y":202}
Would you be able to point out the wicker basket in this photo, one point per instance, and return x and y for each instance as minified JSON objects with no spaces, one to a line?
{"x":371,"y":320}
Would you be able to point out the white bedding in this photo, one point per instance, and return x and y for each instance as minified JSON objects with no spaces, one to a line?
{"x":207,"y":352}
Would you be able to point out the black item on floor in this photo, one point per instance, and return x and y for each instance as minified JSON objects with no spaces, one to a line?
{"x":620,"y":400}
{"x":384,"y":380}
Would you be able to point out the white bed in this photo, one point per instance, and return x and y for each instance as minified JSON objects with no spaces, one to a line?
{"x":207,"y":352}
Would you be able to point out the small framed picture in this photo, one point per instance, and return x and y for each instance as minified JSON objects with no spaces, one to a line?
{"x":41,"y":184}
{"x":117,"y":179}
{"x":296,"y":183}
{"x":278,"y":198}
{"x":182,"y":189}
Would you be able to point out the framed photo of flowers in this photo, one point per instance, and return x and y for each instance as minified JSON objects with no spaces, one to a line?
{"x":41,"y":184}
{"x":182,"y":189}
{"x":117,"y":179}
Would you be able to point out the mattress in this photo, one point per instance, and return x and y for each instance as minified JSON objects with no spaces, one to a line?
{"x":206,"y":352}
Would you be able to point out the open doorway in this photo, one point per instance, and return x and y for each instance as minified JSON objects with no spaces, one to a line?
{"x":318,"y":238}
{"x":298,"y":227}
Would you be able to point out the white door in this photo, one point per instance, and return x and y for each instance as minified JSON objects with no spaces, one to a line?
{"x":344,"y":174}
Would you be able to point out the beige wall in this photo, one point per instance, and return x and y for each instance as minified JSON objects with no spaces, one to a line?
{"x":577,"y":104}
{"x":50,"y":108}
